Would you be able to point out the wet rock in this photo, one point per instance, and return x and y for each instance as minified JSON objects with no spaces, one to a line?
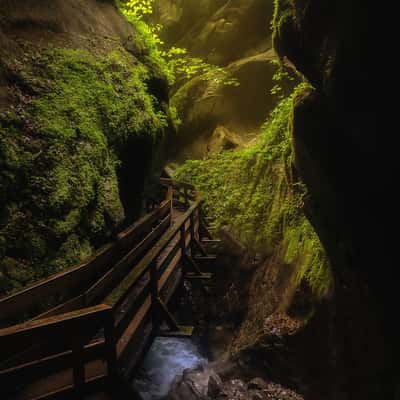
{"x":223,"y":139}
{"x":257,"y":383}
{"x":205,"y":384}
{"x":214,"y":385}
{"x":234,"y":390}
{"x":195,"y":384}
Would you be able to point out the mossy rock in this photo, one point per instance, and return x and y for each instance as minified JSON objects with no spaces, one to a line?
{"x":16,"y":271}
{"x":253,"y":192}
{"x":71,"y":119}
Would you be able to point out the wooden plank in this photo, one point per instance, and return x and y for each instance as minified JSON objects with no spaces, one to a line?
{"x":142,"y":267}
{"x":136,"y":295}
{"x":33,"y":370}
{"x":127,"y":309}
{"x":116,"y":273}
{"x":124,"y":340}
{"x":145,"y":309}
{"x":136,"y":231}
{"x":70,"y":305}
{"x":43,"y":348}
{"x":144,"y":334}
{"x":65,"y":391}
{"x":176,"y":185}
{"x":170,"y":269}
{"x":83,"y":321}
{"x":165,"y":261}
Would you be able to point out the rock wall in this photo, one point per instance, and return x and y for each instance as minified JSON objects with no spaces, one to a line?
{"x":218,"y":31}
{"x":231,"y":34}
{"x":82,"y":117}
{"x":345,"y":156}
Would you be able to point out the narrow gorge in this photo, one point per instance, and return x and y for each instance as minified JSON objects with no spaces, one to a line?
{"x":214,"y":164}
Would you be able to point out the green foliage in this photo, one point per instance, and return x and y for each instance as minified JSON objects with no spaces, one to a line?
{"x":173,"y":62}
{"x":280,"y":76}
{"x":251,"y":193}
{"x":138,"y":8}
{"x":59,"y":155}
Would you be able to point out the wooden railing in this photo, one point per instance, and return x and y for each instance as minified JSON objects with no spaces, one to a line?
{"x":45,"y":295}
{"x":75,"y":332}
{"x":183,"y":193}
{"x":133,"y":279}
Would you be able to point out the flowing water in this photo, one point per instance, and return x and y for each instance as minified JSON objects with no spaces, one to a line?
{"x":166,"y":359}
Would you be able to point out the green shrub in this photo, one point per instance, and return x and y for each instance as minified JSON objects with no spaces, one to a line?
{"x":252,"y":193}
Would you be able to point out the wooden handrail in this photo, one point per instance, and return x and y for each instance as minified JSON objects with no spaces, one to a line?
{"x":76,"y":329}
{"x":176,"y":185}
{"x":142,"y":267}
{"x":73,"y":279}
{"x":124,"y":282}
{"x":115,"y":274}
{"x":13,"y":337}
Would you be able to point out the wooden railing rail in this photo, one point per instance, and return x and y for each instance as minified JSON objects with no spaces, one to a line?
{"x":148,"y":281}
{"x":134,"y":290}
{"x":183,"y":193}
{"x":76,"y":330}
{"x":71,"y":282}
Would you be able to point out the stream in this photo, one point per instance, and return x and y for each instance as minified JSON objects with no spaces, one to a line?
{"x":170,"y":356}
{"x":167,"y":358}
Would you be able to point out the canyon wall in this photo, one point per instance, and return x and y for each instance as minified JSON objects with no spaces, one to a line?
{"x":83,"y":118}
{"x":344,"y":154}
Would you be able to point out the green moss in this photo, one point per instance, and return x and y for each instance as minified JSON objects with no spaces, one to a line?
{"x":60,"y":152}
{"x":252,"y":193}
{"x":147,"y":43}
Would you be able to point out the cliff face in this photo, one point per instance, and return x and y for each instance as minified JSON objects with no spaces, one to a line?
{"x":345,"y":158}
{"x":235,"y":35}
{"x":82,"y":116}
{"x":218,"y":31}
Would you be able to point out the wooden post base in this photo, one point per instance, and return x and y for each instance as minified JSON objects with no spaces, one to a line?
{"x":205,"y":258}
{"x":182,"y":331}
{"x":202,"y":275}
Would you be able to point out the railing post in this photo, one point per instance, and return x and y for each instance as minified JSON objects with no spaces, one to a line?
{"x":185,"y":196}
{"x":183,"y":240}
{"x":110,"y":344}
{"x":170,"y":193}
{"x":78,"y":368}
{"x":155,"y":311}
{"x":192,"y":232}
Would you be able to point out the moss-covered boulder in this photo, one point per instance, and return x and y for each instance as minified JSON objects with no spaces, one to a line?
{"x":207,"y":101}
{"x":82,"y":117}
{"x":253,"y":194}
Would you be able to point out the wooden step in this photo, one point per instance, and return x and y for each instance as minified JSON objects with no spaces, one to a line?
{"x":183,"y":331}
{"x":194,"y":275}
{"x":205,"y":258}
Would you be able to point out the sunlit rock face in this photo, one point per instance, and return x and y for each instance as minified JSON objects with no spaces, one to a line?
{"x":219,"y":31}
{"x":232,"y":34}
{"x":345,"y":156}
{"x":205,"y":104}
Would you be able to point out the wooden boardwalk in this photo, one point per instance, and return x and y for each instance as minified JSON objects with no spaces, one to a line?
{"x":88,"y":327}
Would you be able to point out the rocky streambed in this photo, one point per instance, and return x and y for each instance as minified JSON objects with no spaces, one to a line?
{"x":201,"y":368}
